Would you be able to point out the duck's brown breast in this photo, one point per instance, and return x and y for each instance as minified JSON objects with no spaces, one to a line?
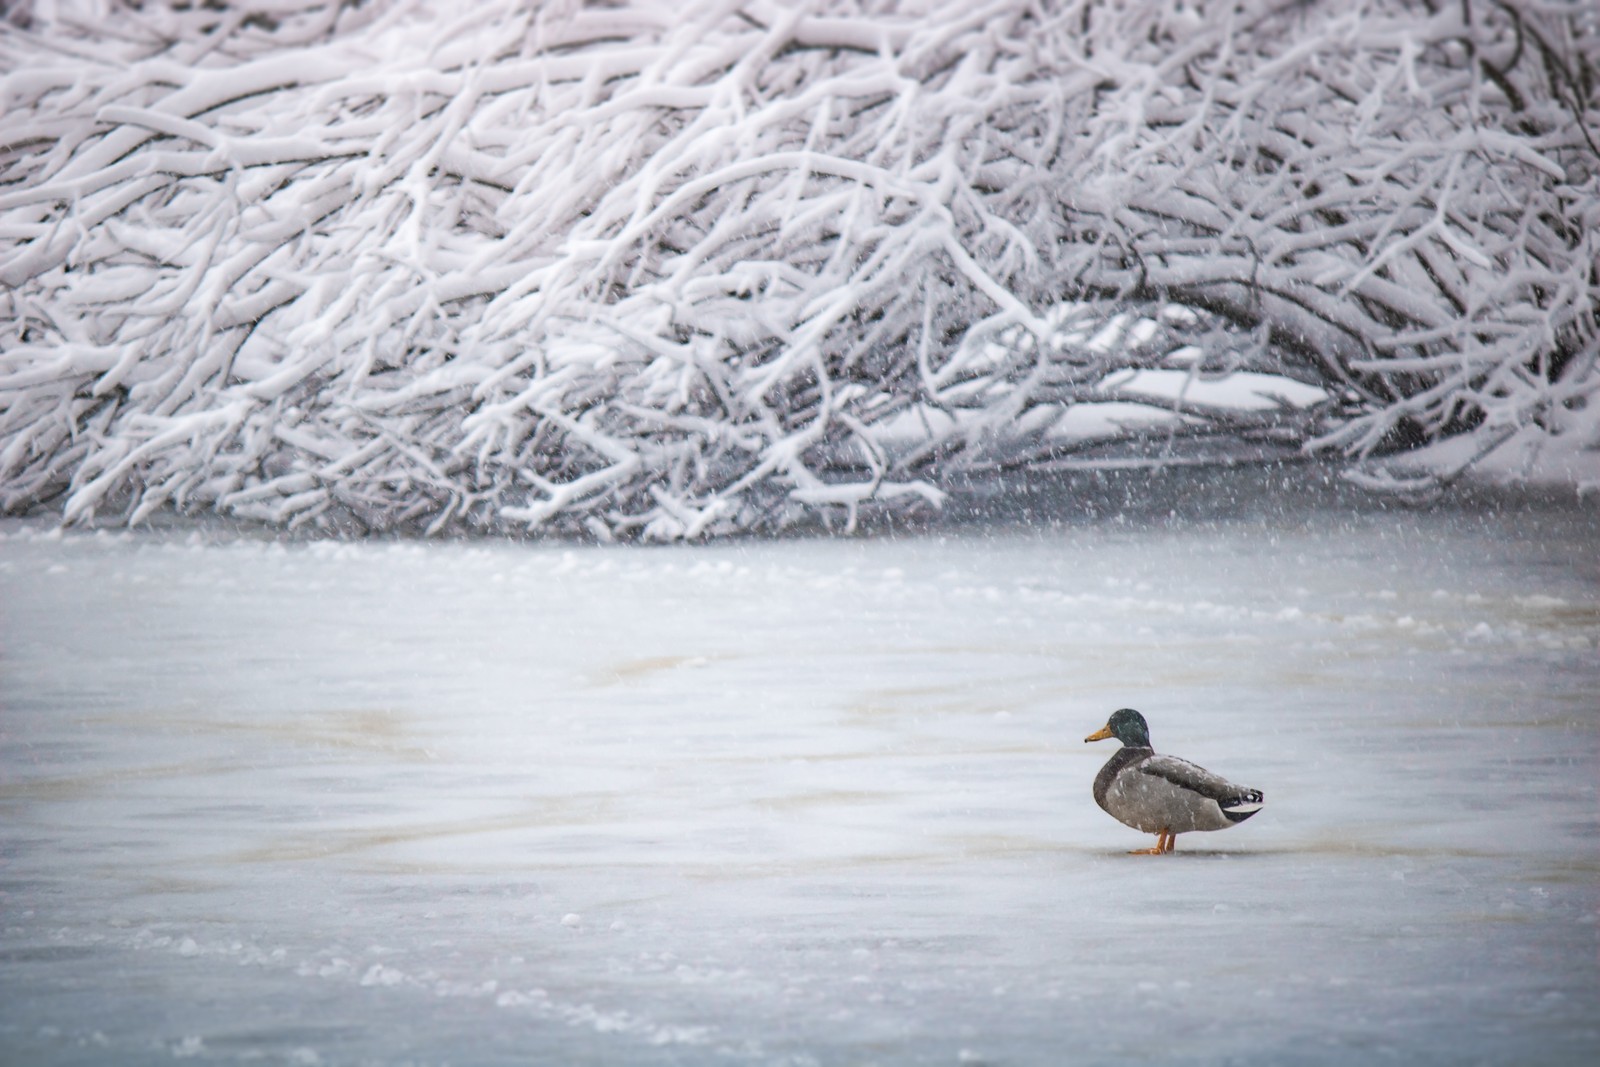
{"x":1125,"y":757}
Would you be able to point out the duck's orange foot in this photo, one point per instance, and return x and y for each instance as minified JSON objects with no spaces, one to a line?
{"x":1166,"y":841}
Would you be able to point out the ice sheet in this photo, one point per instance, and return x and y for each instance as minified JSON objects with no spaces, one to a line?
{"x":803,"y":802}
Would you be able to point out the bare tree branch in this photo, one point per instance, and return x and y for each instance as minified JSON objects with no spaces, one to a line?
{"x":676,"y":271}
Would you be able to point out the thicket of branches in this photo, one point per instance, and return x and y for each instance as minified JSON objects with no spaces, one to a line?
{"x":672,"y":270}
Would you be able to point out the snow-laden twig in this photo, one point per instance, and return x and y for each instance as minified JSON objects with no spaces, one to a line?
{"x":680,"y":270}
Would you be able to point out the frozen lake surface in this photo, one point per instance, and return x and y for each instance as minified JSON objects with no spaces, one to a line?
{"x":802,"y":802}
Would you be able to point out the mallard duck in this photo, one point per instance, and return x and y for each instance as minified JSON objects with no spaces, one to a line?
{"x":1164,"y":795}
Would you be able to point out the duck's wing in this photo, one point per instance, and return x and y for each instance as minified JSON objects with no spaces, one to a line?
{"x":1236,"y":801}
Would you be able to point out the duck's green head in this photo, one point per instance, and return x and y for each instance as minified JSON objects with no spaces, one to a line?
{"x":1127,"y":726}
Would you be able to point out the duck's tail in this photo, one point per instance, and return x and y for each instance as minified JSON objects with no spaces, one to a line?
{"x":1241,"y":807}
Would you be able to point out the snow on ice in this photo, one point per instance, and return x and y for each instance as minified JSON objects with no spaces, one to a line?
{"x":800,"y":802}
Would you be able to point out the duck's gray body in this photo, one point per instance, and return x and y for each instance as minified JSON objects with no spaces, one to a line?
{"x":1164,"y":795}
{"x":1157,"y":794}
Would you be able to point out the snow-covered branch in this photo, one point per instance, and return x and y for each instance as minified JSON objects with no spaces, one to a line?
{"x":652,"y":270}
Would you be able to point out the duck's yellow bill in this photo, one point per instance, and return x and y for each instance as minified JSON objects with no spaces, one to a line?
{"x":1100,"y":734}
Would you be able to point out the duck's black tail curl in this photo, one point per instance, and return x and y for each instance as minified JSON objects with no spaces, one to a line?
{"x":1241,"y":807}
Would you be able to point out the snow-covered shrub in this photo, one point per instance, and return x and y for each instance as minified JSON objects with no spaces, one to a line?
{"x":672,"y":270}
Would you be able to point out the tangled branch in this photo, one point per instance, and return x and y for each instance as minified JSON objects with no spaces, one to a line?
{"x":676,"y":271}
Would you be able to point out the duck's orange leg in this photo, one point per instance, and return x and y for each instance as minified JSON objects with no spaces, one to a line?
{"x":1165,"y":841}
